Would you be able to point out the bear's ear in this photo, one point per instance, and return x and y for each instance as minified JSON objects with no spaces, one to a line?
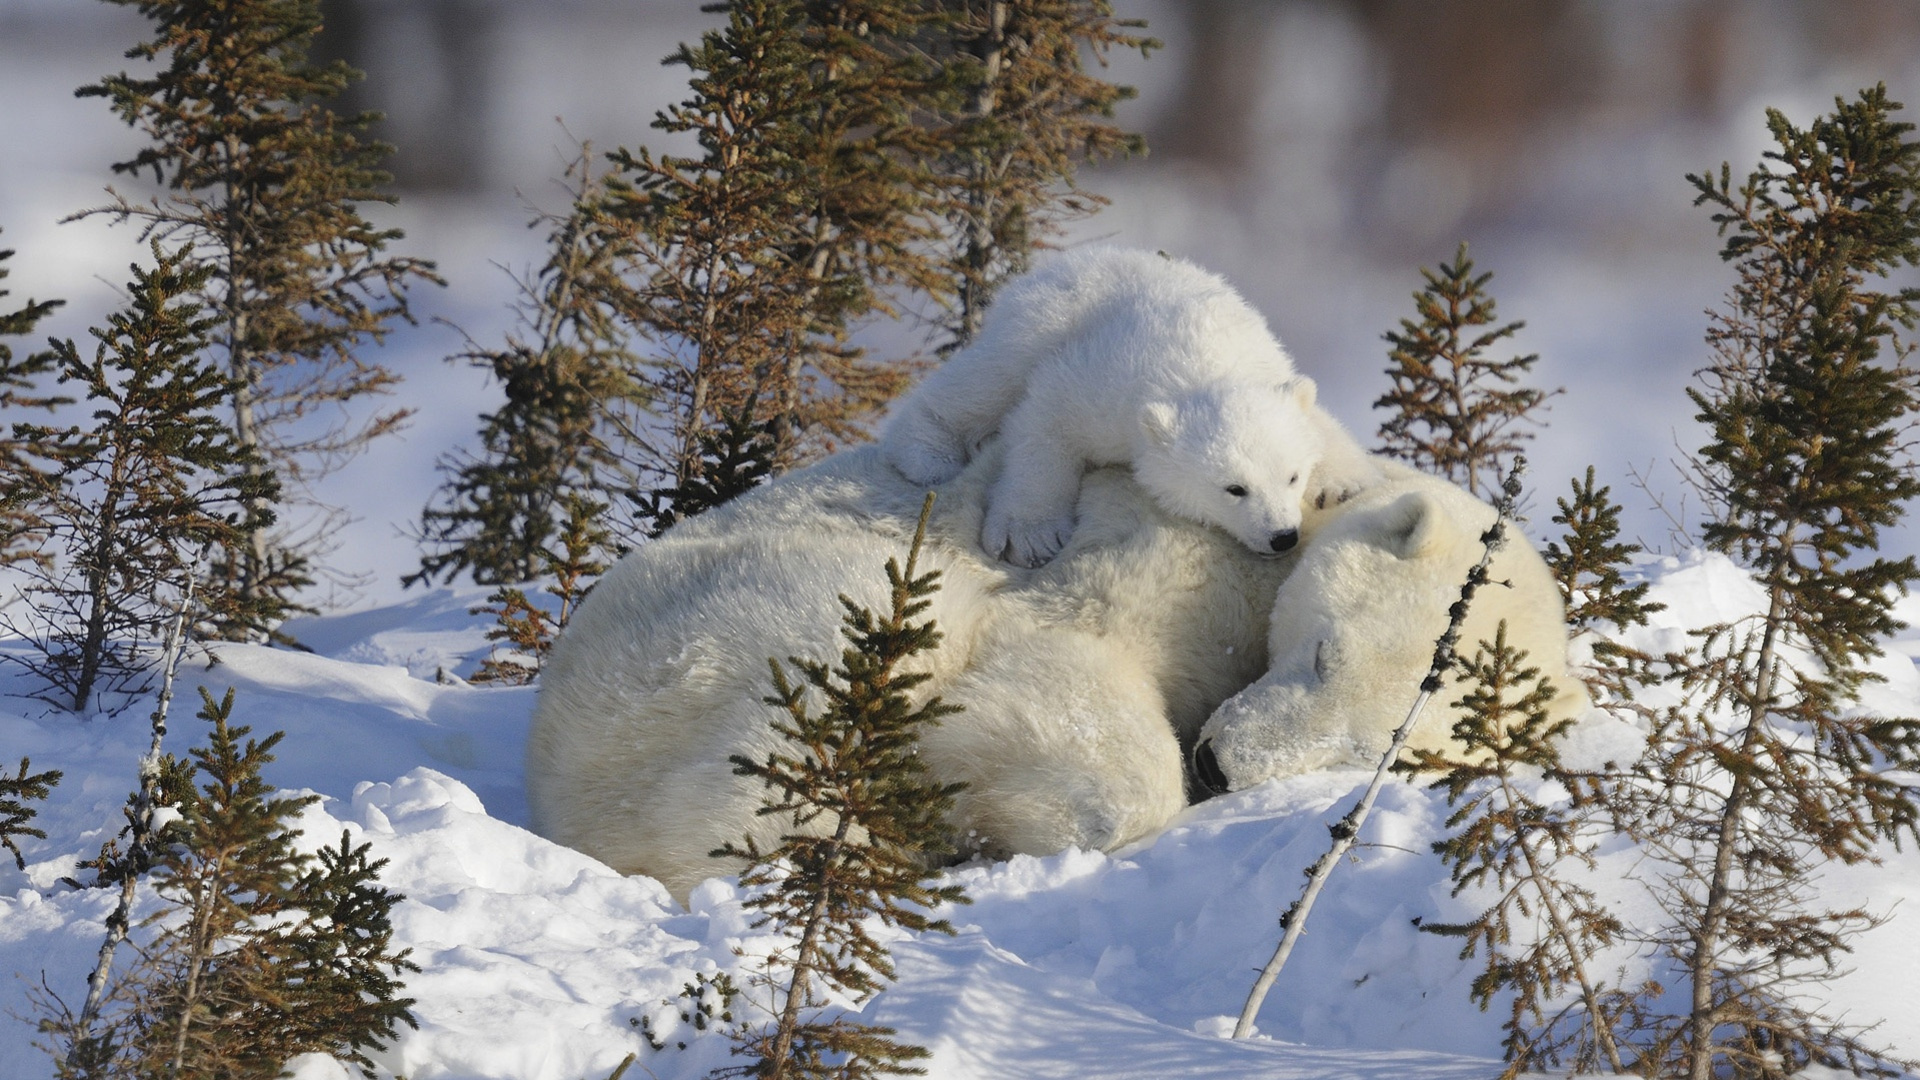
{"x":1410,"y":526}
{"x":1302,"y":390}
{"x":1158,"y":419}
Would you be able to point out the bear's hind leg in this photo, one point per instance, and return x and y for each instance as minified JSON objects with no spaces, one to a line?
{"x":921,"y":446}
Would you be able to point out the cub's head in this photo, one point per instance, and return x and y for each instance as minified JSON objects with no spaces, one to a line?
{"x":1234,"y":456}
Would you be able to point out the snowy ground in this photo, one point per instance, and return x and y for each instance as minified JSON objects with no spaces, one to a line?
{"x":539,"y":962}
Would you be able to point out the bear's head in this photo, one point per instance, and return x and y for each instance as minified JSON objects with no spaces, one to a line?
{"x":1353,"y":633}
{"x":1235,"y":455}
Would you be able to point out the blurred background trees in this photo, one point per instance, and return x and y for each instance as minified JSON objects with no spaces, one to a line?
{"x":1315,"y":151}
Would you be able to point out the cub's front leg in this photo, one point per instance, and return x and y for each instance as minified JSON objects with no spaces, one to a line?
{"x":1030,"y":507}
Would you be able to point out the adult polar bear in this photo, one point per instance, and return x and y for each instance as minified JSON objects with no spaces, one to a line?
{"x":1354,"y":628}
{"x":1083,"y":681}
{"x":1111,"y":356}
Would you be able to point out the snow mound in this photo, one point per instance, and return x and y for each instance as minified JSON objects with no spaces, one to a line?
{"x":540,"y":963}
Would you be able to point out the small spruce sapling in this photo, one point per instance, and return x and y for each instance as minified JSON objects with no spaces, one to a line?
{"x":206,"y":995}
{"x":155,"y":470}
{"x":1541,"y":931}
{"x":567,"y":374}
{"x":1453,"y":409}
{"x":260,"y":952}
{"x":1590,"y":570}
{"x":16,"y":792}
{"x":867,"y":821}
{"x":704,"y":1004}
{"x":526,"y":627}
{"x":344,"y":970}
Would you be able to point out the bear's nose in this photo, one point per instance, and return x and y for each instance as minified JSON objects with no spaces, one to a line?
{"x":1207,"y":767}
{"x":1283,"y":541}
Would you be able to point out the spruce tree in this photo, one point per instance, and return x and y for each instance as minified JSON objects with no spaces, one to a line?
{"x":1539,"y":935}
{"x":1590,"y":570}
{"x":153,"y":474}
{"x":344,"y":975}
{"x":1765,"y":773}
{"x":20,"y":389}
{"x":261,"y":952}
{"x":526,"y":628}
{"x":854,"y":159}
{"x":1453,"y":409}
{"x":205,"y":1007}
{"x":263,"y":184}
{"x":732,"y":459}
{"x":571,"y":402}
{"x":16,"y":792}
{"x":867,"y":821}
{"x":1025,"y":116}
{"x":751,"y":261}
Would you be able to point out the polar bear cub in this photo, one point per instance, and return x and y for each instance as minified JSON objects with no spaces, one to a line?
{"x":1113,"y":356}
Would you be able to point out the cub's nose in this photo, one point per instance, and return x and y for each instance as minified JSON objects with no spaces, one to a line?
{"x":1207,"y":768}
{"x":1283,"y":541}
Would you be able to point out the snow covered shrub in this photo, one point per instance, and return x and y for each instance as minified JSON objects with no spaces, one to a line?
{"x":260,"y":952}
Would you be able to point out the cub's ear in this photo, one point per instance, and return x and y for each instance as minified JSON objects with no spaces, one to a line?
{"x":1410,"y":526}
{"x":1159,"y":420}
{"x":1302,"y":390}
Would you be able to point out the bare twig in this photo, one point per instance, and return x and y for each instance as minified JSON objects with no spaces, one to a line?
{"x":140,"y":826}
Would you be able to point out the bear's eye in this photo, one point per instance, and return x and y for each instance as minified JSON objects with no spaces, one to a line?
{"x":1292,"y":480}
{"x":1236,"y":491}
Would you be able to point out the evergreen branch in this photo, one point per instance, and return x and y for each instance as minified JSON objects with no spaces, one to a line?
{"x":15,"y":792}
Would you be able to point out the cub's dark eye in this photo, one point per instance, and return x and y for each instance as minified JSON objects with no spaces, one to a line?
{"x":1292,"y":480}
{"x":1236,"y":491}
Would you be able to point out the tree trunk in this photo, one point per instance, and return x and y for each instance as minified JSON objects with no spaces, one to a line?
{"x":1702,"y":1017}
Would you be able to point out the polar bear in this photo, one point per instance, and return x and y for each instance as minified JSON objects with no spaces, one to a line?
{"x":1354,"y":627}
{"x":1084,"y":682}
{"x":1114,"y":356}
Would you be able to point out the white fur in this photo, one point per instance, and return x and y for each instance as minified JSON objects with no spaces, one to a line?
{"x":1110,"y":356}
{"x":1082,"y":681}
{"x":1354,"y":627}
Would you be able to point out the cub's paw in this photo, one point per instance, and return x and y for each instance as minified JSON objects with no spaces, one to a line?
{"x":1336,"y":480}
{"x":1025,"y":541}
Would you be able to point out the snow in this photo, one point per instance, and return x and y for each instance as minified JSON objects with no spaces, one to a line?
{"x":539,"y":963}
